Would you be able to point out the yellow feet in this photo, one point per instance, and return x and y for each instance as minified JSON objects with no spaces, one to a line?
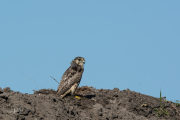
{"x":78,"y":97}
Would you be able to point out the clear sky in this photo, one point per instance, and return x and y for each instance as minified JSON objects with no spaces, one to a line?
{"x":127,"y":44}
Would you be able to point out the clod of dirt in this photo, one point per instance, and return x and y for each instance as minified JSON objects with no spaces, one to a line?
{"x":95,"y":104}
{"x":6,"y":89}
{"x":1,"y":91}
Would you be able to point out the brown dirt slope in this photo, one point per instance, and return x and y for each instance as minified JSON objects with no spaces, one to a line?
{"x":95,"y":104}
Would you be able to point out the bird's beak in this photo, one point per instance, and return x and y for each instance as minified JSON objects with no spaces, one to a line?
{"x":83,"y":62}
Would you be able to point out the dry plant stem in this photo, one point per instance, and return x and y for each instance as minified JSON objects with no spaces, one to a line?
{"x":54,"y":79}
{"x":30,"y":79}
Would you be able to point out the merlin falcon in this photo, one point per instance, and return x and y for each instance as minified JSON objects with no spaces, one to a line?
{"x":71,"y":77}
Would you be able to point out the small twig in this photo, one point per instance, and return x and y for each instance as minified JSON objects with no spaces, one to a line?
{"x":54,"y":79}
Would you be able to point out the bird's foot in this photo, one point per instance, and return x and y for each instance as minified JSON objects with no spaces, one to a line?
{"x":78,"y":97}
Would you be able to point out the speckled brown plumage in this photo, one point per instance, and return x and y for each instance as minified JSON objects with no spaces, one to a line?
{"x":71,"y":77}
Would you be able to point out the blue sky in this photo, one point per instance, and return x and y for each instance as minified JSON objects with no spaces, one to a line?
{"x":126,"y":44}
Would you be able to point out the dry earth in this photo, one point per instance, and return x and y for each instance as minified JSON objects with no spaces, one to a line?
{"x":95,"y":104}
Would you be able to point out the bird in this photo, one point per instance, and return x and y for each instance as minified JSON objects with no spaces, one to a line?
{"x":71,"y":78}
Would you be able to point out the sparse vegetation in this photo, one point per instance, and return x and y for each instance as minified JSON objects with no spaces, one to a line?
{"x":161,"y":110}
{"x":177,"y":103}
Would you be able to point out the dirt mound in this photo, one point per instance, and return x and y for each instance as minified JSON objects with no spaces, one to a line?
{"x":94,"y":104}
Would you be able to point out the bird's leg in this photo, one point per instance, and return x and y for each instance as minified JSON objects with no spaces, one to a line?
{"x":73,"y":91}
{"x":67,"y":92}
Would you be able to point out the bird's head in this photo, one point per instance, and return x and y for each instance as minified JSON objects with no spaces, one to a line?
{"x":80,"y":60}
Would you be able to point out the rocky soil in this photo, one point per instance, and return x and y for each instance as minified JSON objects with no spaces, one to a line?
{"x":93,"y":104}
